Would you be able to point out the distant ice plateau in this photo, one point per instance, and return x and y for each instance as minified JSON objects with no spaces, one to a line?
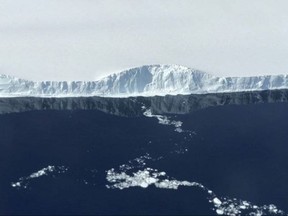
{"x":149,"y":80}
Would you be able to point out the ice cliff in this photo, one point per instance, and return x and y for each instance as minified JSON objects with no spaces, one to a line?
{"x":147,"y":80}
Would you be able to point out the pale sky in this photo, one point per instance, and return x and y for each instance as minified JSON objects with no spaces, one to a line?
{"x":86,"y":39}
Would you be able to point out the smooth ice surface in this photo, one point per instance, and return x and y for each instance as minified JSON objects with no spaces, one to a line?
{"x":147,"y":80}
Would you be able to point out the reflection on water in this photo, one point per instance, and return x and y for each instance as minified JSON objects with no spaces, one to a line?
{"x":180,"y":104}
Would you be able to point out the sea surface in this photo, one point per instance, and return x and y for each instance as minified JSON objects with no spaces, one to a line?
{"x":195,"y":154}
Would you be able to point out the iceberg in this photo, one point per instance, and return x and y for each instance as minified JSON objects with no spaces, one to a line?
{"x":148,"y":80}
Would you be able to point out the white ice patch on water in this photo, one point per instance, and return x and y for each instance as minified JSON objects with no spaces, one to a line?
{"x":235,"y":207}
{"x":42,"y":172}
{"x":138,"y":162}
{"x":144,"y":178}
{"x":164,"y":120}
{"x":152,"y":177}
{"x":24,"y":181}
{"x":128,"y":176}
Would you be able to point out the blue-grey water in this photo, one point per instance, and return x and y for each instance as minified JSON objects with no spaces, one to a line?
{"x":235,"y":145}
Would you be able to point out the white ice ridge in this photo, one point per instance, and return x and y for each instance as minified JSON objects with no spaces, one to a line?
{"x":152,"y":177}
{"x":24,"y":181}
{"x":148,"y":80}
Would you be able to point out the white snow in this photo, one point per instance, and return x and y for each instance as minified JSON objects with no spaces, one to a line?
{"x":147,"y":80}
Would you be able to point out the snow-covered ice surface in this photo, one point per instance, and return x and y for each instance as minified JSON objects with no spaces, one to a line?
{"x":23,"y":182}
{"x":149,"y":80}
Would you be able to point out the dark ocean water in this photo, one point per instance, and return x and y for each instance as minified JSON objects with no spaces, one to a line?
{"x":234,"y":144}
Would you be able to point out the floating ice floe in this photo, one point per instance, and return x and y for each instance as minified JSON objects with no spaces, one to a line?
{"x":24,"y":181}
{"x":163,"y":120}
{"x":152,"y":177}
{"x":138,"y":162}
{"x":144,"y":178}
{"x":236,"y":207}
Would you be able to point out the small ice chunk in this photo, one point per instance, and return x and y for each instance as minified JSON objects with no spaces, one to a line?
{"x":245,"y":203}
{"x":17,"y":184}
{"x":144,"y":185}
{"x":217,"y":201}
{"x":219,"y":211}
